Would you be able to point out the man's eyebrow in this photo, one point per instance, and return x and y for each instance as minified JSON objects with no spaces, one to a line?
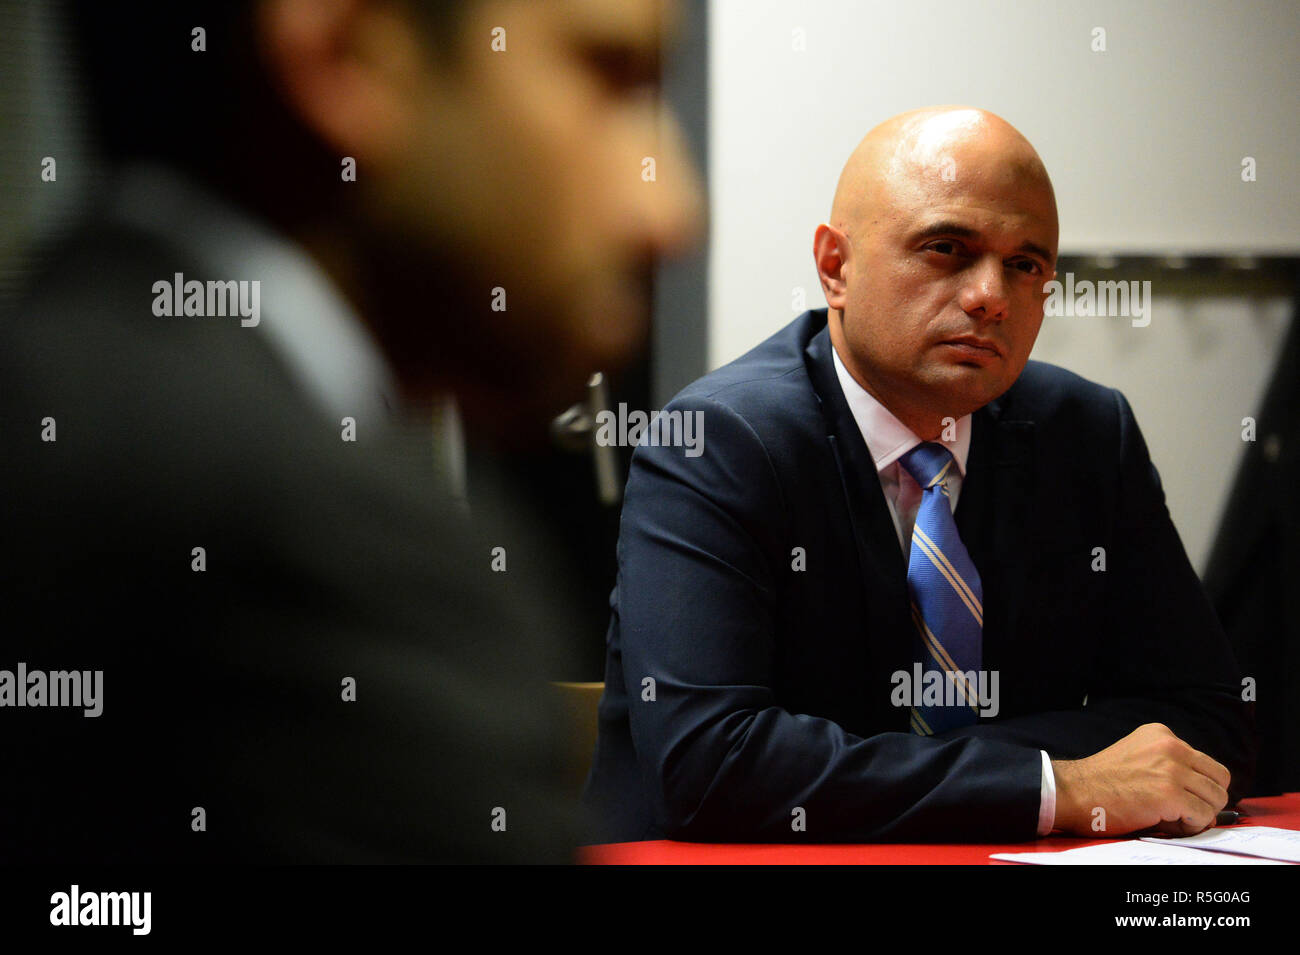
{"x":953,"y":228}
{"x":945,"y":227}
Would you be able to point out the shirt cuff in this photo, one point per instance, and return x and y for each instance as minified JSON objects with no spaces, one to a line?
{"x":1047,"y":797}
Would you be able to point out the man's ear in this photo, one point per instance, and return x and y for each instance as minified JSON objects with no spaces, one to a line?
{"x":347,"y":69}
{"x":831,"y":252}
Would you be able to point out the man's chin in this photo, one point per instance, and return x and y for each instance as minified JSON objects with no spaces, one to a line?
{"x":968,"y":389}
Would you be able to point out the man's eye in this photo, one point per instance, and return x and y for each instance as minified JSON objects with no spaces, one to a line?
{"x":943,"y":247}
{"x":1028,"y":266}
{"x":622,"y":69}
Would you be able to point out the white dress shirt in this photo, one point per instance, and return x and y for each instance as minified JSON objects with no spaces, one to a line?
{"x":888,"y":439}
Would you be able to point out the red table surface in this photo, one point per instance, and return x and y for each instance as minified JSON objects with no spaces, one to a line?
{"x":1280,"y":811}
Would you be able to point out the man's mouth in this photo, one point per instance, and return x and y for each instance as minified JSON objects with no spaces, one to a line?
{"x":975,"y":347}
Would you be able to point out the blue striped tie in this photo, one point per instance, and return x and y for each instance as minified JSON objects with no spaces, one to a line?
{"x":947,"y":597}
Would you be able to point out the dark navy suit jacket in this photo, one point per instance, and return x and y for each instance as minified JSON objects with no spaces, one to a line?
{"x":772,"y":685}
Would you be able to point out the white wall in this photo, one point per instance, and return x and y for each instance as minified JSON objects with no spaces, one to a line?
{"x":1144,"y":144}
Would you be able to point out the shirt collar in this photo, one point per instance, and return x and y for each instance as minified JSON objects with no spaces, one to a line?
{"x":306,"y":320}
{"x":887,"y":438}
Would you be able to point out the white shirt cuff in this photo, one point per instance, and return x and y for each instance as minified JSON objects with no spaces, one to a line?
{"x":1047,"y":797}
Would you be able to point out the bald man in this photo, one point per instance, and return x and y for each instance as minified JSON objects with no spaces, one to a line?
{"x":913,"y":586}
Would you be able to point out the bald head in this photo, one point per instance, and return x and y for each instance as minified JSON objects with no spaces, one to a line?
{"x":942,"y":236}
{"x":942,"y":149}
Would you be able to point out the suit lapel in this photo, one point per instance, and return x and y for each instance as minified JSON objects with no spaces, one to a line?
{"x":884,"y":576}
{"x":995,"y":518}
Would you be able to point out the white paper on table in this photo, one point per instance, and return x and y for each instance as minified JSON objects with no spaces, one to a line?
{"x":1266,"y":841}
{"x":1131,"y":852}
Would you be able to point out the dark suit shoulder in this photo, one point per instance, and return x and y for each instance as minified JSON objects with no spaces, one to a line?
{"x":1045,"y":392}
{"x":768,"y":386}
{"x":84,"y":334}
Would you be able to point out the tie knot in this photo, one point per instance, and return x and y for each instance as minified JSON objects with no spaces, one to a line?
{"x":928,"y":463}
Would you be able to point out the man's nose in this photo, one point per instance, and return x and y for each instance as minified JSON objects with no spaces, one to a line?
{"x":672,"y":206}
{"x":985,"y":290}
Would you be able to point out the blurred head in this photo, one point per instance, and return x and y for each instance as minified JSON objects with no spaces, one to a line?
{"x":500,"y":231}
{"x":943,"y":229}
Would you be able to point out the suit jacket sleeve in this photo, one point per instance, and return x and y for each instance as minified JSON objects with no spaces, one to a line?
{"x":1164,"y":657}
{"x":699,"y":548}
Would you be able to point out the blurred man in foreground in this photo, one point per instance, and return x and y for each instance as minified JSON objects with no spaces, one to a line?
{"x":228,"y":516}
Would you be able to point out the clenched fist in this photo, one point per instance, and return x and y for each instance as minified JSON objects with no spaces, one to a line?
{"x":1150,"y":778}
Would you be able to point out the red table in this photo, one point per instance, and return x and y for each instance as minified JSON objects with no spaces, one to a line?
{"x":1281,"y":811}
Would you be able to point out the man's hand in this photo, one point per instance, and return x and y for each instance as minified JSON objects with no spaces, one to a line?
{"x":1150,"y":778}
